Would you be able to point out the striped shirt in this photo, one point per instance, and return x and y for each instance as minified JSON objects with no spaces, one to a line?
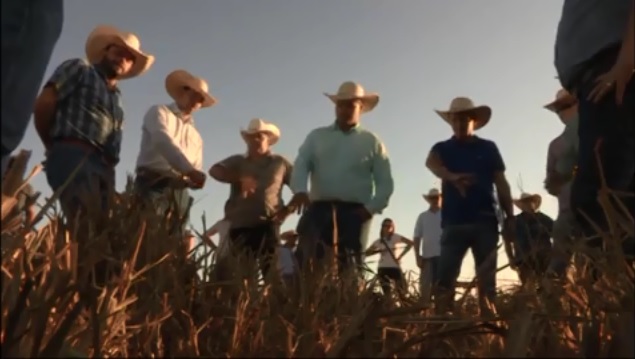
{"x":87,"y":109}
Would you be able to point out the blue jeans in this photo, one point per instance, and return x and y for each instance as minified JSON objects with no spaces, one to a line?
{"x":456,"y":240}
{"x":30,"y":29}
{"x":611,"y":129}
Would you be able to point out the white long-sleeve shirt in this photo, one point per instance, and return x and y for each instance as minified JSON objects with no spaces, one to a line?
{"x":169,"y":141}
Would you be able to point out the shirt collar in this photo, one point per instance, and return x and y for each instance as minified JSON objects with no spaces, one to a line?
{"x":101,"y":74}
{"x":177,"y":112}
{"x":355,"y":128}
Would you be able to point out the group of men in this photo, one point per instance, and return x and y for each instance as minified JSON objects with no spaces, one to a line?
{"x":79,"y":118}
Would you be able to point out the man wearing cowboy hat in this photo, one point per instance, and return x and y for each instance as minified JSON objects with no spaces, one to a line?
{"x":427,"y":239}
{"x":350,"y":174}
{"x":30,"y":30}
{"x":255,"y":204}
{"x":79,"y":116}
{"x":470,"y":168}
{"x":532,"y":243}
{"x":171,"y":154}
{"x":561,"y":158}
{"x":286,"y":256}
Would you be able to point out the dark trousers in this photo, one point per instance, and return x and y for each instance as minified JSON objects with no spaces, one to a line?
{"x":258,"y":242}
{"x":609,"y":129}
{"x":317,"y":237}
{"x":534,"y":265}
{"x":387,"y":275}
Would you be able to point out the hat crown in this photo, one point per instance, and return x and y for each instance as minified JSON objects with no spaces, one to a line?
{"x":256,"y":124}
{"x":562,"y":93}
{"x":128,"y":38}
{"x":433,"y":192}
{"x":351,"y":89}
{"x":461,"y":103}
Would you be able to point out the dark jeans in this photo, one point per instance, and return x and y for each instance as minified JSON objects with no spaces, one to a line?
{"x":456,"y":240}
{"x":387,"y":275}
{"x":165,"y":199}
{"x":258,"y":242}
{"x":611,"y":129}
{"x":316,"y":233}
{"x":534,"y":265}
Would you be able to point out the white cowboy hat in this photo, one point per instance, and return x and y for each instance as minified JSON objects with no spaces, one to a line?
{"x":481,"y":114}
{"x":104,"y":35}
{"x":536,"y":198}
{"x":258,"y":125}
{"x":563,"y":97}
{"x":432,"y":193}
{"x":353,"y":91}
{"x":178,"y":80}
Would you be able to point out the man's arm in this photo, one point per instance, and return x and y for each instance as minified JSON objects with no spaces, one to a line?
{"x":435,"y":164}
{"x":500,"y":181}
{"x":57,"y":88}
{"x":302,"y":166}
{"x":384,"y":183}
{"x":227,"y":170}
{"x":160,"y":124}
{"x":418,"y":236}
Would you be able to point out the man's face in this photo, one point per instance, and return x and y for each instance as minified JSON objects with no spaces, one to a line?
{"x":258,"y":143}
{"x":348,"y":111}
{"x":567,"y":111}
{"x":190,"y":100}
{"x":462,"y":124}
{"x":118,"y":60}
{"x":435,"y":201}
{"x":528,"y":205}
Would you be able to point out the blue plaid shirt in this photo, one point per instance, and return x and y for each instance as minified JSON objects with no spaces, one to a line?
{"x":87,"y":109}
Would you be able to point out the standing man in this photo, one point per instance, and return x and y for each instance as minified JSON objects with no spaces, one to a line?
{"x":171,"y":155}
{"x":594,"y":58}
{"x":286,"y":256}
{"x":427,"y":240}
{"x":30,"y":29}
{"x":469,"y":168}
{"x":350,"y":179}
{"x":389,"y":267}
{"x":255,"y":207}
{"x":79,"y":117}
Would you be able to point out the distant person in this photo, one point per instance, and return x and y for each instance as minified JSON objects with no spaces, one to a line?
{"x":561,"y":159}
{"x":389,"y":269}
{"x":350,"y":176}
{"x":594,"y":57}
{"x":170,"y":159}
{"x":427,"y":241}
{"x":286,"y":257}
{"x":79,"y":118}
{"x":532,"y":243}
{"x":30,"y":30}
{"x":470,"y":168}
{"x":255,"y":204}
{"x":220,"y":228}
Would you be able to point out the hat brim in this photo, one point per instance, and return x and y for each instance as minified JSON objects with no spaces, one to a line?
{"x":428,"y":196}
{"x":97,"y":44}
{"x":558,"y":104}
{"x":271,"y":131}
{"x":285,"y":236}
{"x":369,"y":101}
{"x":481,"y":115}
{"x":519,"y":202}
{"x":175,"y":83}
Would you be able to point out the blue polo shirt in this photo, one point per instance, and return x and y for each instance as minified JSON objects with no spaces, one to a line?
{"x":481,"y":158}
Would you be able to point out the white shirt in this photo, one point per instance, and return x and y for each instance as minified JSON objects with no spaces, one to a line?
{"x":169,"y":142}
{"x":286,"y":262}
{"x":428,"y":228}
{"x":386,"y":260}
{"x":222,"y":229}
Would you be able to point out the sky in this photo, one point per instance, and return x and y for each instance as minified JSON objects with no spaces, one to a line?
{"x":273,"y":59}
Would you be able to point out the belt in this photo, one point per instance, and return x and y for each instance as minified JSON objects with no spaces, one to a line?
{"x":158,"y":180}
{"x":89,"y":147}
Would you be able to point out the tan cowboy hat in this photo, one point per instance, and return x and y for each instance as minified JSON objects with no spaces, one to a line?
{"x":481,"y":114}
{"x":290,"y":234}
{"x":104,"y":35}
{"x":178,"y":80}
{"x":432,"y":193}
{"x":258,"y":125}
{"x":353,"y":91}
{"x":536,"y":198}
{"x":563,"y":97}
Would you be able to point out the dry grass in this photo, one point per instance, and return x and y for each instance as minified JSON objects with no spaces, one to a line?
{"x":156,"y":305}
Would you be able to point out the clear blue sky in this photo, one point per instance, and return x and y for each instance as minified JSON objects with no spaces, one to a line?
{"x":274,"y":58}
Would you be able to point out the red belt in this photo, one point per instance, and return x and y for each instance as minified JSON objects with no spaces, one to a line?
{"x":89,"y":147}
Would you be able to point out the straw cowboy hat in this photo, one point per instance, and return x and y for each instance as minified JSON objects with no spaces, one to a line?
{"x":104,"y":35}
{"x":258,"y":125}
{"x":481,"y":114}
{"x":563,"y":98}
{"x":525,"y":197}
{"x":290,"y":234}
{"x":178,"y":80}
{"x":432,"y":193}
{"x":353,"y":91}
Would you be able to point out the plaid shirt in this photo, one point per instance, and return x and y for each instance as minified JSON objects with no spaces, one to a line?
{"x":87,"y":109}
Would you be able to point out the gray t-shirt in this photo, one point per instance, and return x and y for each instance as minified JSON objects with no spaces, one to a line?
{"x":271,"y":172}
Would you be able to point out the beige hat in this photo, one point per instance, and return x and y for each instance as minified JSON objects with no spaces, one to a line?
{"x":353,"y":91}
{"x":105,"y":35}
{"x":290,"y":234}
{"x":178,"y":80}
{"x":563,"y":97}
{"x":536,"y":198}
{"x":432,"y":193}
{"x":258,"y":125}
{"x":481,"y":114}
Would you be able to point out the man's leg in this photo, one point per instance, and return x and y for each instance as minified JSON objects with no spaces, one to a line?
{"x":30,"y":30}
{"x":484,"y":249}
{"x":350,"y":229}
{"x":562,"y":243}
{"x":454,"y":245}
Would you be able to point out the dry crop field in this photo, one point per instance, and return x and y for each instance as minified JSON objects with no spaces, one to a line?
{"x":155,"y":305}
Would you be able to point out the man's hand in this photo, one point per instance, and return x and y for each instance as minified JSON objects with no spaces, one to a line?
{"x":300,"y":202}
{"x":280,"y":216}
{"x":420,"y":262}
{"x":509,"y":230}
{"x":615,"y":79}
{"x":248,"y":185}
{"x":196,"y":179}
{"x":461,"y":181}
{"x":364,"y":214}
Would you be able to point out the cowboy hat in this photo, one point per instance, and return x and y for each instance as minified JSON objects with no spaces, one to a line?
{"x":178,"y":80}
{"x":290,"y":234}
{"x":536,"y":198}
{"x":563,"y":97}
{"x":258,"y":125}
{"x":481,"y":114}
{"x":104,"y":35}
{"x":353,"y":91}
{"x":432,"y":193}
